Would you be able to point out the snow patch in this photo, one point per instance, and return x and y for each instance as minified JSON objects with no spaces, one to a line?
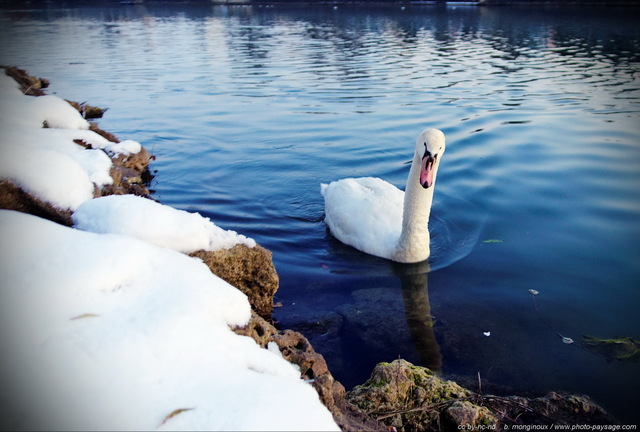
{"x":155,"y":223}
{"x":102,"y":331}
{"x":95,"y":163}
{"x":52,"y":176}
{"x":126,"y":147}
{"x":37,"y":111}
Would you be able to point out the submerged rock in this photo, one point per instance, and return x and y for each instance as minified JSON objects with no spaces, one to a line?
{"x":321,"y":328}
{"x":413,"y":398}
{"x":554,"y":408}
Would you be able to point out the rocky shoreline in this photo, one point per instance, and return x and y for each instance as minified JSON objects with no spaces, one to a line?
{"x":398,"y":396}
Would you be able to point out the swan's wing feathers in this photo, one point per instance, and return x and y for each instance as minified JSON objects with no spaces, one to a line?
{"x":365,"y":213}
{"x":323,"y":188}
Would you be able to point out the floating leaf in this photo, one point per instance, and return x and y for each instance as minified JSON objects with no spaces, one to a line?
{"x":534,"y":292}
{"x":623,"y":349}
{"x":86,"y":315}
{"x":567,"y":340}
{"x":492,"y":241}
{"x":174,"y":413}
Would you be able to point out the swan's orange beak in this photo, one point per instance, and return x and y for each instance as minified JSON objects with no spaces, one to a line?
{"x":426,"y":169}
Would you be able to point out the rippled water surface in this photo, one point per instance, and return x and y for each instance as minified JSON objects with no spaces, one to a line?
{"x":248,"y":109}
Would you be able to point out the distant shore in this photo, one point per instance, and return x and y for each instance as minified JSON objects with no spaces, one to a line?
{"x":12,"y":4}
{"x":427,"y":2}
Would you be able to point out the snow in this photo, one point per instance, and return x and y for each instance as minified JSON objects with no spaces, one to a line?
{"x":35,"y":111}
{"x":102,"y":331}
{"x":107,"y":325}
{"x":46,"y":162}
{"x":125,"y":147}
{"x":155,"y":223}
{"x":50,"y":175}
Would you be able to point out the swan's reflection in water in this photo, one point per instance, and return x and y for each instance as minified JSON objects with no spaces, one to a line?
{"x":415,"y":294}
{"x":387,"y":315}
{"x":369,"y":310}
{"x":361,"y":310}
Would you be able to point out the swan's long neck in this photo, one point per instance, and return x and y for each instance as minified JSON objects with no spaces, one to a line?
{"x":413,"y":244}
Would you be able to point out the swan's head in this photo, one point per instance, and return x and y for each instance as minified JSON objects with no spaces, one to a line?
{"x":429,"y":148}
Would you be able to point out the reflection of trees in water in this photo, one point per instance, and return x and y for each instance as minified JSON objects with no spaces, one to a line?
{"x":352,"y":33}
{"x":250,"y":45}
{"x":355,"y":30}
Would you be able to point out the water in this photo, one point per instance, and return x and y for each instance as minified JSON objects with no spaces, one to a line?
{"x":249,"y":109}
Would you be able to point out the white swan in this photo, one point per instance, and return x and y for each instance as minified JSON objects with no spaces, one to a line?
{"x":378,"y":218}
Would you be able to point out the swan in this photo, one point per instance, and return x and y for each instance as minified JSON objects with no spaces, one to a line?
{"x":377,"y":218}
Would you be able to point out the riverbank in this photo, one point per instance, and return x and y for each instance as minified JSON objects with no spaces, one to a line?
{"x":400,"y":395}
{"x":112,"y":314}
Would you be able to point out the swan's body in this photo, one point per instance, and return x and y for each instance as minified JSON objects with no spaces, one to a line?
{"x":378,"y":218}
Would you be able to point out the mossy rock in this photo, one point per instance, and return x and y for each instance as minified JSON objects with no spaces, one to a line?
{"x":413,"y":398}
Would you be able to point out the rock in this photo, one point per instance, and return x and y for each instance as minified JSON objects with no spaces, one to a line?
{"x":257,"y":329}
{"x":13,"y":197}
{"x":555,"y":408}
{"x":296,"y":349}
{"x":322,"y":329}
{"x":137,"y":162}
{"x":130,"y":174}
{"x":412,"y":398}
{"x":87,"y":111}
{"x":466,"y":413}
{"x":250,"y":270}
{"x":30,"y":85}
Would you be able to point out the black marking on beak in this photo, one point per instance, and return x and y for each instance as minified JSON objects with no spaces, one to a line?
{"x":428,"y":160}
{"x":427,"y":154}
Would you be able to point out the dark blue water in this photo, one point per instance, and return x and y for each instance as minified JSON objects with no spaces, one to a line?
{"x":248,"y":109}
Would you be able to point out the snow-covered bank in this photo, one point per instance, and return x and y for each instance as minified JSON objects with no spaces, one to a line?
{"x":46,"y":162}
{"x":115,"y":329}
{"x":105,"y":331}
